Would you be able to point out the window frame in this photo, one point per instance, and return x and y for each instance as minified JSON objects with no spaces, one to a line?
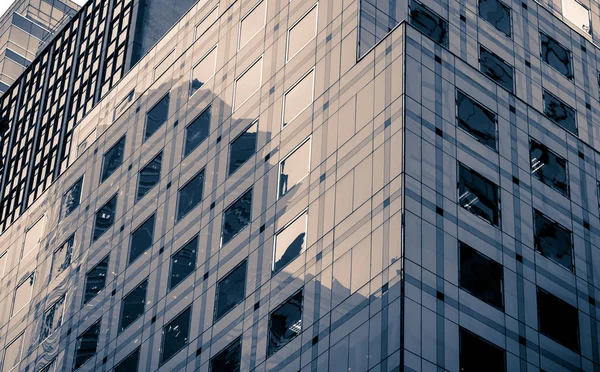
{"x":14,"y":312}
{"x":117,"y":142}
{"x":121,"y":329}
{"x":246,"y":15}
{"x":289,"y":31}
{"x":185,"y":129}
{"x":215,"y":318}
{"x":460,"y":270}
{"x":63,"y":245}
{"x":9,"y":344}
{"x":570,"y":75}
{"x":498,"y":195}
{"x":307,"y":139}
{"x":567,"y":192}
{"x":184,"y":245}
{"x":192,"y":178}
{"x":139,"y":226}
{"x":136,"y":350}
{"x":114,"y":196}
{"x":235,"y":105}
{"x":77,"y":343}
{"x":282,"y":229}
{"x":145,"y":136}
{"x":139,"y":175}
{"x":61,"y":298}
{"x":285,"y":94}
{"x":495,"y":148}
{"x":42,"y":236}
{"x":512,"y":87}
{"x":255,"y":121}
{"x":63,"y":217}
{"x":204,"y":18}
{"x":410,"y":21}
{"x":571,"y":238}
{"x":162,"y":361}
{"x":249,"y":190}
{"x":83,"y":300}
{"x":545,"y":93}
{"x":285,"y":301}
{"x":490,"y":23}
{"x":204,"y":56}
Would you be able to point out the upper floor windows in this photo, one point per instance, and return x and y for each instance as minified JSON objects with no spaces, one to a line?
{"x":252,"y":23}
{"x":552,"y":240}
{"x":243,"y":147}
{"x":130,"y":363}
{"x":285,"y":323}
{"x":496,"y":69}
{"x":478,"y":195}
{"x":290,"y":242}
{"x":428,"y":23}
{"x":53,"y":318}
{"x":473,"y":347}
{"x":298,"y":97}
{"x":206,"y":22}
{"x":197,"y":131}
{"x":95,"y":280}
{"x":247,"y":83}
{"x":149,"y":176}
{"x":61,"y":258}
{"x":203,"y":70}
{"x":476,"y":120}
{"x":71,"y":199}
{"x":557,"y":56}
{"x":577,"y":14}
{"x":33,"y":236}
{"x":87,"y":344}
{"x":183,"y":263}
{"x":190,"y":195}
{"x":231,"y":290}
{"x":236,"y":217}
{"x":105,"y":218}
{"x":112,"y":159}
{"x":549,"y":167}
{"x":133,"y":305}
{"x":302,"y":32}
{"x":175,"y":335}
{"x":229,"y":359}
{"x":142,"y":239}
{"x":496,"y":13}
{"x":480,"y":276}
{"x":13,"y":354}
{"x":559,"y":112}
{"x":157,"y":116}
{"x":22,"y":295}
{"x":294,"y":168}
{"x":558,"y":320}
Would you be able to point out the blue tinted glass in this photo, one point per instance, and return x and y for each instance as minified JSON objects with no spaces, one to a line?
{"x":175,"y":335}
{"x":559,"y":112}
{"x":476,"y":120}
{"x":183,"y":263}
{"x":197,"y":131}
{"x":478,"y":195}
{"x":228,"y":359}
{"x":87,"y":344}
{"x":497,"y":14}
{"x":285,"y":323}
{"x":242,"y":148}
{"x":190,"y":195}
{"x":496,"y":69}
{"x":105,"y":218}
{"x":149,"y":176}
{"x":548,"y":167}
{"x":556,"y":55}
{"x":558,"y":320}
{"x":112,"y":159}
{"x":429,"y":23}
{"x":230,"y":291}
{"x":95,"y":280}
{"x":142,"y":239}
{"x":237,"y":216}
{"x":130,"y":363}
{"x":133,"y":305}
{"x":472,"y":347}
{"x":157,"y":116}
{"x":480,"y":276}
{"x":553,"y":241}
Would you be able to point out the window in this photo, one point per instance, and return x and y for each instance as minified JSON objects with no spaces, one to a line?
{"x":204,"y":70}
{"x":290,"y":241}
{"x":149,"y":176}
{"x":577,"y":14}
{"x":3,"y":259}
{"x":197,"y":131}
{"x":552,"y":240}
{"x":428,"y":23}
{"x":476,"y":120}
{"x":175,"y":335}
{"x":13,"y":353}
{"x":33,"y":237}
{"x":230,"y":291}
{"x":252,"y":23}
{"x":548,"y":167}
{"x":496,"y":69}
{"x":478,"y":195}
{"x":477,"y":354}
{"x":301,"y":33}
{"x":71,"y":198}
{"x":87,"y":344}
{"x":294,"y":168}
{"x":183,"y":262}
{"x":142,"y":239}
{"x":559,"y":112}
{"x":496,"y":13}
{"x":228,"y":359}
{"x":95,"y":280}
{"x":206,"y":22}
{"x":105,"y":218}
{"x":190,"y":195}
{"x":112,"y":159}
{"x":243,"y":147}
{"x":285,"y":323}
{"x":61,"y":258}
{"x":157,"y":116}
{"x":130,"y":363}
{"x":298,"y":97}
{"x":555,"y":55}
{"x":480,"y":276}
{"x":50,"y":367}
{"x":124,"y":104}
{"x":53,"y":318}
{"x":236,"y":217}
{"x":133,"y":305}
{"x":164,"y":65}
{"x":558,"y":320}
{"x":248,"y":83}
{"x":23,"y":295}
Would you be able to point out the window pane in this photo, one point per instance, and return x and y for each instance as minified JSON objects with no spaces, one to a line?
{"x":298,"y":98}
{"x":289,"y":243}
{"x":33,"y":237}
{"x":556,"y":55}
{"x":190,"y":195}
{"x":559,"y":112}
{"x":236,"y":217}
{"x":87,"y":344}
{"x":496,"y":13}
{"x":130,"y":363}
{"x":476,"y":120}
{"x":285,"y":323}
{"x":294,"y":168}
{"x":157,"y":116}
{"x":577,"y":14}
{"x":496,"y":69}
{"x":230,"y":291}
{"x":481,"y":276}
{"x":183,"y":263}
{"x":149,"y":176}
{"x":553,"y":241}
{"x":197,"y":132}
{"x":175,"y":335}
{"x":206,"y":22}
{"x":302,"y":32}
{"x":548,"y":167}
{"x":51,"y":367}
{"x":112,"y":159}
{"x":12,"y":355}
{"x":228,"y":359}
{"x":477,"y":354}
{"x":142,"y":239}
{"x":243,"y":147}
{"x":61,"y":259}
{"x":478,"y":195}
{"x":203,"y":71}
{"x":558,"y":320}
{"x":428,"y":23}
{"x":105,"y":218}
{"x":23,"y":294}
{"x":133,"y":305}
{"x":253,"y":22}
{"x":247,"y":84}
{"x":3,"y":257}
{"x":53,"y":318}
{"x":72,"y":198}
{"x":95,"y":280}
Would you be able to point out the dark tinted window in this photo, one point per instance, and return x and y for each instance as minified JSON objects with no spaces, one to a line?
{"x":157,"y":116}
{"x":558,"y":320}
{"x":133,"y":305}
{"x":175,"y":335}
{"x":105,"y":218}
{"x":553,"y":241}
{"x":559,"y":112}
{"x":53,"y":318}
{"x":142,"y":239}
{"x":149,"y":176}
{"x":228,"y":359}
{"x":496,"y":69}
{"x":230,"y":291}
{"x":71,"y":198}
{"x":197,"y":131}
{"x":497,"y":14}
{"x":236,"y":217}
{"x":480,"y":276}
{"x":61,"y":258}
{"x":556,"y":55}
{"x":130,"y":363}
{"x":190,"y":195}
{"x":242,"y":148}
{"x":183,"y":263}
{"x":478,"y":195}
{"x":285,"y":323}
{"x":548,"y":167}
{"x":476,"y":120}
{"x":95,"y":280}
{"x":429,"y":23}
{"x":87,"y":344}
{"x":112,"y":159}
{"x":477,"y":354}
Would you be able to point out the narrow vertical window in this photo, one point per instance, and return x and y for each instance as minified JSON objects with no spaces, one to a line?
{"x":302,"y":32}
{"x":13,"y":353}
{"x":33,"y":236}
{"x":252,"y":23}
{"x":149,"y":176}
{"x":290,"y":241}
{"x":71,"y":199}
{"x":105,"y":218}
{"x":183,"y":263}
{"x":478,"y":195}
{"x":243,"y":147}
{"x":552,"y":240}
{"x":157,"y":116}
{"x":285,"y":323}
{"x":294,"y":168}
{"x":548,"y":167}
{"x":112,"y":159}
{"x":481,"y":276}
{"x":190,"y":195}
{"x":206,"y":22}
{"x":476,"y":120}
{"x":298,"y":97}
{"x":558,"y":320}
{"x":477,"y":354}
{"x":204,"y":70}
{"x":175,"y":335}
{"x":95,"y":280}
{"x":61,"y":258}
{"x":229,"y":359}
{"x":133,"y":305}
{"x":53,"y":318}
{"x":247,"y":83}
{"x":142,"y":239}
{"x":87,"y":345}
{"x":236,"y":217}
{"x":231,"y":291}
{"x":23,"y":295}
{"x":130,"y":363}
{"x":197,"y":131}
